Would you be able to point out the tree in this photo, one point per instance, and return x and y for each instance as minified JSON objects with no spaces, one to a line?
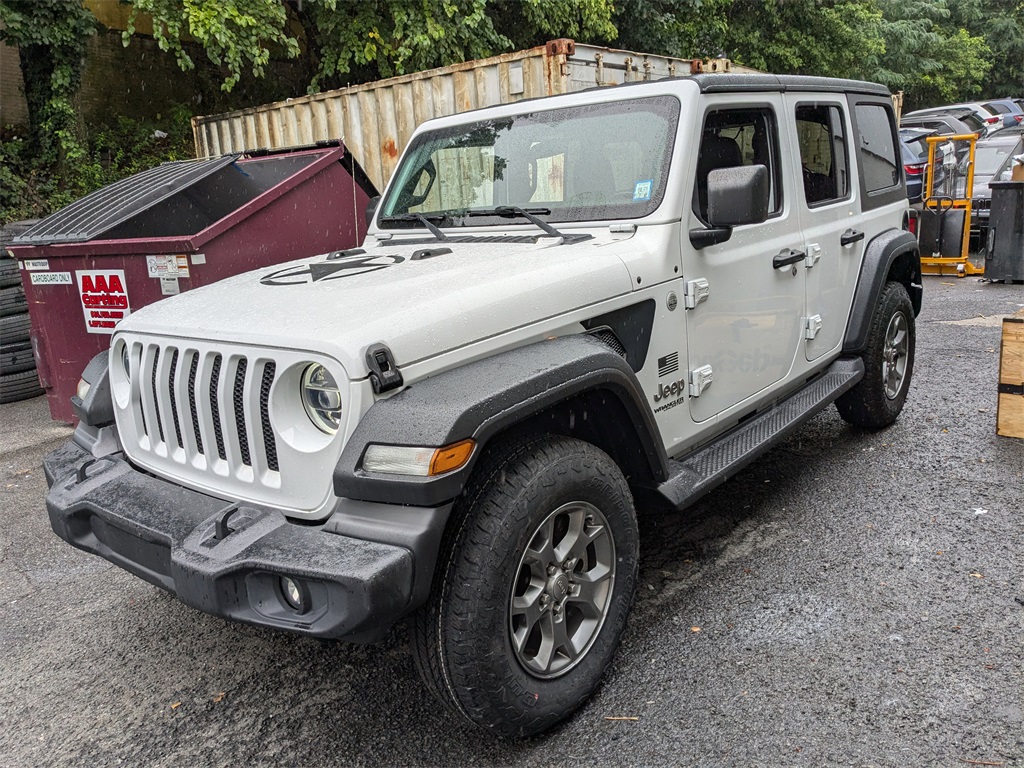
{"x":828,"y":38}
{"x":688,"y":29}
{"x":238,"y":34}
{"x":51,"y":37}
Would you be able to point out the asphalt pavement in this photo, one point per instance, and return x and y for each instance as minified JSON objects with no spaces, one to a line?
{"x":851,"y":599}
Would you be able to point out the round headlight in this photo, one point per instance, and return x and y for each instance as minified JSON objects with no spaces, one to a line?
{"x":321,"y":398}
{"x":126,"y":362}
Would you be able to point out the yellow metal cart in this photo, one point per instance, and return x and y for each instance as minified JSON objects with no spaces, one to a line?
{"x":944,"y":230}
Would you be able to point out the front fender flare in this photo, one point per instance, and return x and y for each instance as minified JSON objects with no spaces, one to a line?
{"x":481,"y":399}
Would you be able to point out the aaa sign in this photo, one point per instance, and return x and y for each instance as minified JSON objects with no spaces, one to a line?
{"x":104,"y":299}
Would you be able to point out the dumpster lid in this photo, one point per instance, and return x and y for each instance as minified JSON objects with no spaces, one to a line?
{"x":104,"y":209}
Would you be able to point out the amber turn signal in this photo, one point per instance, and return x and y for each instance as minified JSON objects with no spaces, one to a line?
{"x":451,"y":457}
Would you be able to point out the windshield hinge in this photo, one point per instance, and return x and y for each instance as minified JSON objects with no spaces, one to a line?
{"x":384,"y":373}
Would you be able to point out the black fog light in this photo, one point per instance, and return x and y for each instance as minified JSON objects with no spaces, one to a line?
{"x":294,"y":594}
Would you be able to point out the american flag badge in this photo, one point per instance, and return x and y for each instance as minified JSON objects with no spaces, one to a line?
{"x":668,"y":364}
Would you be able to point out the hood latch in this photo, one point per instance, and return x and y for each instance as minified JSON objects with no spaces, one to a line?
{"x":384,"y":373}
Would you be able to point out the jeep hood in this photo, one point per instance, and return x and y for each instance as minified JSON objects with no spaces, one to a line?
{"x":412,"y":297}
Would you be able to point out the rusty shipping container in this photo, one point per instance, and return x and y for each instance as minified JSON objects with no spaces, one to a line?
{"x":376,"y":120}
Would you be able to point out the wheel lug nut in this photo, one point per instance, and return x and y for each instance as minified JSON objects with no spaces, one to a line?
{"x":551,"y":570}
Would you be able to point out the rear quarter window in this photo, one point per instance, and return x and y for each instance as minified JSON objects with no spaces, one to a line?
{"x":877,"y":148}
{"x":881,"y":169}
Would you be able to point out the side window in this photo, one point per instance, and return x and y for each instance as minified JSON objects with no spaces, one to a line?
{"x":877,"y":148}
{"x":823,"y":153}
{"x":735,"y":137}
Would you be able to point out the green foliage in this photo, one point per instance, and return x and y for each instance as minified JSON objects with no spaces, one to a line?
{"x":688,"y":29}
{"x":833,"y":39}
{"x":51,"y":36}
{"x":390,"y":37}
{"x":237,"y":34}
{"x":31,"y":188}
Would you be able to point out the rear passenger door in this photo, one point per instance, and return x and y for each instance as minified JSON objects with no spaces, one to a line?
{"x":826,"y":206}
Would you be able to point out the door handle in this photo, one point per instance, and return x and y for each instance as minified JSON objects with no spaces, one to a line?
{"x":786,"y":257}
{"x":850,"y":236}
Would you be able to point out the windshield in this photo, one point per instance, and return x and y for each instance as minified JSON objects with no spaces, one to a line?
{"x":583,"y":163}
{"x":988,"y":159}
{"x":972,"y":121}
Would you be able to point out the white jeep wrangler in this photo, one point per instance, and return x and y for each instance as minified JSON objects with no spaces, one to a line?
{"x":560,"y":303}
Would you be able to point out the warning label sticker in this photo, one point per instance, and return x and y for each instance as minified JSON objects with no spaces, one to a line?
{"x":104,"y":299}
{"x":167,"y":266}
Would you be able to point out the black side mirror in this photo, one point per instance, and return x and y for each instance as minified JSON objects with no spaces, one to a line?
{"x":371,"y":209}
{"x":738,"y":196}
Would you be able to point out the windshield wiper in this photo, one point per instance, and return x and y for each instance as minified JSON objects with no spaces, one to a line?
{"x":434,"y":229}
{"x":514,"y":211}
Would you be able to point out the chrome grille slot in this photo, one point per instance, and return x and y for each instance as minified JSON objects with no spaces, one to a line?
{"x":215,"y":405}
{"x":173,"y":390}
{"x":156,"y":397}
{"x":237,"y":395}
{"x":192,"y":402}
{"x":269,"y":441}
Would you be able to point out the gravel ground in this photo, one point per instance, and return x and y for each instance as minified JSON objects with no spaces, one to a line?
{"x":851,"y":599}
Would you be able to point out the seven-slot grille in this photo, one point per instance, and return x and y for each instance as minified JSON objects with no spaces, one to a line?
{"x":204,"y":408}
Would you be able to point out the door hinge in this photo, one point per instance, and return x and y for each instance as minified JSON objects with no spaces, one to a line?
{"x":812,"y":325}
{"x":813,"y":251}
{"x":700,"y":379}
{"x":696,"y":291}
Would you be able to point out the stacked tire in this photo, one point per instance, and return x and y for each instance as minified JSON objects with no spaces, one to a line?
{"x":18,"y":379}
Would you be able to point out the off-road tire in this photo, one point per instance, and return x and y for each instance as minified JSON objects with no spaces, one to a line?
{"x":14,"y":329}
{"x":462,"y":639}
{"x":9,"y":273}
{"x":869,"y":405}
{"x":12,"y":301}
{"x":15,"y":358}
{"x":19,"y":386}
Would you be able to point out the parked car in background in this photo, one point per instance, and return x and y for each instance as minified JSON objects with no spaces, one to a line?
{"x":1008,"y":109}
{"x":992,"y":162}
{"x":914,"y":146}
{"x":987,"y":116}
{"x":956,"y":122}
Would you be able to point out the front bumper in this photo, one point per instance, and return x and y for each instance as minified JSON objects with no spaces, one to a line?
{"x":228,"y":560}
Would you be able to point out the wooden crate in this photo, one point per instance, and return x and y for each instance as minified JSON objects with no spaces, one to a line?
{"x":1010,"y":416}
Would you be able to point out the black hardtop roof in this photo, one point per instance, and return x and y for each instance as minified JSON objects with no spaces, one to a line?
{"x":729,"y":82}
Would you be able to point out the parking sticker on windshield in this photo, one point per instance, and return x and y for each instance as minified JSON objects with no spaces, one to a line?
{"x":642,"y":190}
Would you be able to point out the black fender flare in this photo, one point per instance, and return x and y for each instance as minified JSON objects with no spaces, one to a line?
{"x":894,"y":252}
{"x":483,"y":398}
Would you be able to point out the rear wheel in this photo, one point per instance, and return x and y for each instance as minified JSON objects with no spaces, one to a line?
{"x":534,"y":585}
{"x":878,"y":398}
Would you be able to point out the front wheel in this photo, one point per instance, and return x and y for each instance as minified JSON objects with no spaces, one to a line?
{"x":534,"y":585}
{"x":878,"y":398}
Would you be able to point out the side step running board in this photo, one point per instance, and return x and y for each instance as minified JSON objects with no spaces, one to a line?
{"x":698,"y":473}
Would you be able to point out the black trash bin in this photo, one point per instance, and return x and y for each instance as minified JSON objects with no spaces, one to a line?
{"x":1004,"y":256}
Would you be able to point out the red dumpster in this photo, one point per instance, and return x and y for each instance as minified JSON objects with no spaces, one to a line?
{"x":171,"y":228}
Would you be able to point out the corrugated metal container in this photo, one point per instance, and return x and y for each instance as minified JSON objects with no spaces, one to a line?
{"x":376,"y":120}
